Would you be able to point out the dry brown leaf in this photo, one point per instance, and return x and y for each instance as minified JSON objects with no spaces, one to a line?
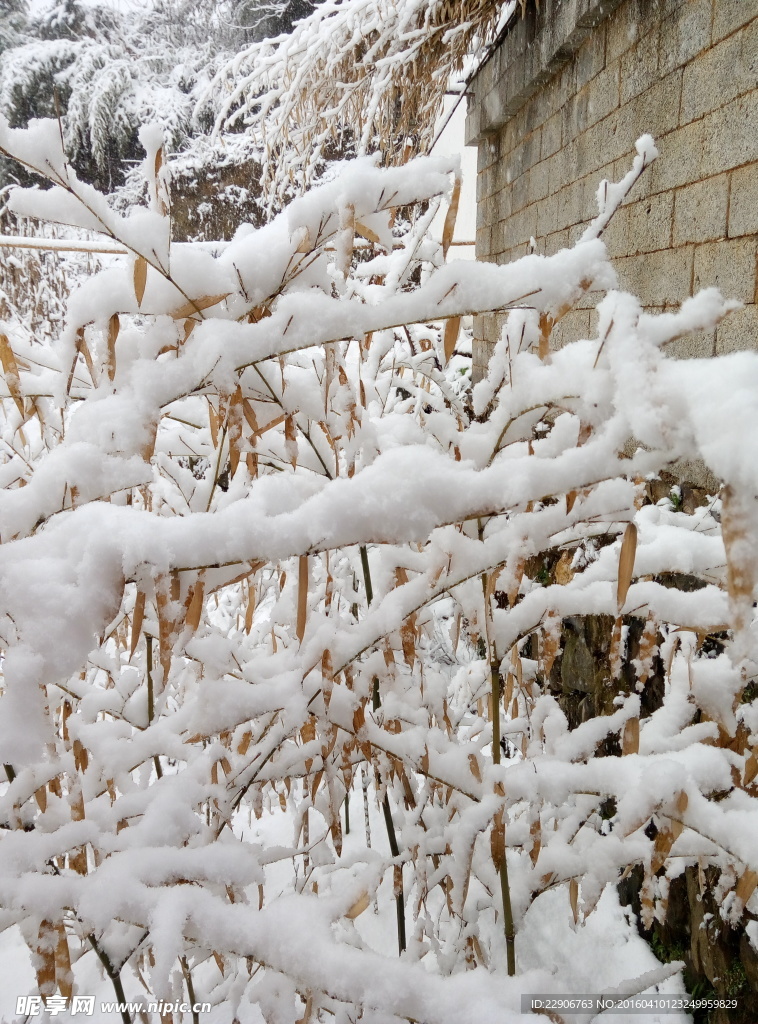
{"x":44,"y":961}
{"x":574,"y":899}
{"x":213,"y":420}
{"x":10,"y":368}
{"x":448,"y":228}
{"x":648,"y":648}
{"x":626,"y":565}
{"x":476,"y":771}
{"x":249,"y":414}
{"x":234,"y":419}
{"x":564,"y":574}
{"x":550,"y":642}
{"x":450,"y":338}
{"x":138,"y":617}
{"x":290,"y":439}
{"x":366,"y":232}
{"x":113,"y":329}
{"x":195,"y":306}
{"x":614,"y":656}
{"x":250,"y":609}
{"x":662,"y":847}
{"x":195,"y":604}
{"x":630,"y":743}
{"x":63,"y":973}
{"x":751,"y":769}
{"x":535,"y":830}
{"x":746,"y":885}
{"x":140,"y":278}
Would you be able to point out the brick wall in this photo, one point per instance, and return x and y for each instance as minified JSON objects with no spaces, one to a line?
{"x":559,"y":107}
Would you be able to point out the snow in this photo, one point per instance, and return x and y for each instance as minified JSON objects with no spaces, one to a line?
{"x":190,"y":638}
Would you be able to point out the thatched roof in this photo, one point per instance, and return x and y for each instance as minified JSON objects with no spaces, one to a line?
{"x":363,"y":75}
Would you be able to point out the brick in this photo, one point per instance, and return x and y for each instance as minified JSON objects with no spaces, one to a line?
{"x":574,"y":115}
{"x":683,"y":34}
{"x":493,"y":110}
{"x":522,"y":226}
{"x":701,"y":345}
{"x":538,"y":182}
{"x":730,"y":138}
{"x":531,"y":145}
{"x":591,"y":185}
{"x":729,"y":15}
{"x":590,"y":57}
{"x":571,"y":204}
{"x":743,"y":201}
{"x":738,"y":331}
{"x":656,"y":110}
{"x":604,"y":92}
{"x":504,"y":196}
{"x":486,"y":153}
{"x":601,"y":144}
{"x":573,"y":327}
{"x":547,"y":216}
{"x":713,"y":79}
{"x":483,"y":243}
{"x":554,"y":242}
{"x":551,"y":136}
{"x":486,"y":182}
{"x":565,"y":166}
{"x":623,"y":30}
{"x":500,"y":236}
{"x":678,"y":161}
{"x":520,"y":193}
{"x":639,"y":66}
{"x":658,"y":278}
{"x":729,"y":265}
{"x":641,"y":227}
{"x":700,"y":210}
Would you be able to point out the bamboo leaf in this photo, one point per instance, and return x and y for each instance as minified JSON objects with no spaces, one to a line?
{"x":113,"y":329}
{"x":450,"y":217}
{"x":63,"y":973}
{"x":630,"y":743}
{"x":746,"y":885}
{"x":195,"y":306}
{"x":196,"y":604}
{"x":626,"y":565}
{"x":450,"y":338}
{"x":140,"y":278}
{"x":10,"y":368}
{"x":138,"y":616}
{"x":250,"y":610}
{"x":366,"y":232}
{"x":44,"y":961}
{"x":574,"y":899}
{"x":359,"y":906}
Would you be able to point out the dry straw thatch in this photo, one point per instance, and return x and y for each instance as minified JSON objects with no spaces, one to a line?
{"x":356,"y":76}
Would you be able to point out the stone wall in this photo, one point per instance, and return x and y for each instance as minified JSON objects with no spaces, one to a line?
{"x":559,"y":107}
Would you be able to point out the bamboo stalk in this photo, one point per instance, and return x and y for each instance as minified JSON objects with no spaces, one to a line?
{"x":391,"y":836}
{"x":496,"y":697}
